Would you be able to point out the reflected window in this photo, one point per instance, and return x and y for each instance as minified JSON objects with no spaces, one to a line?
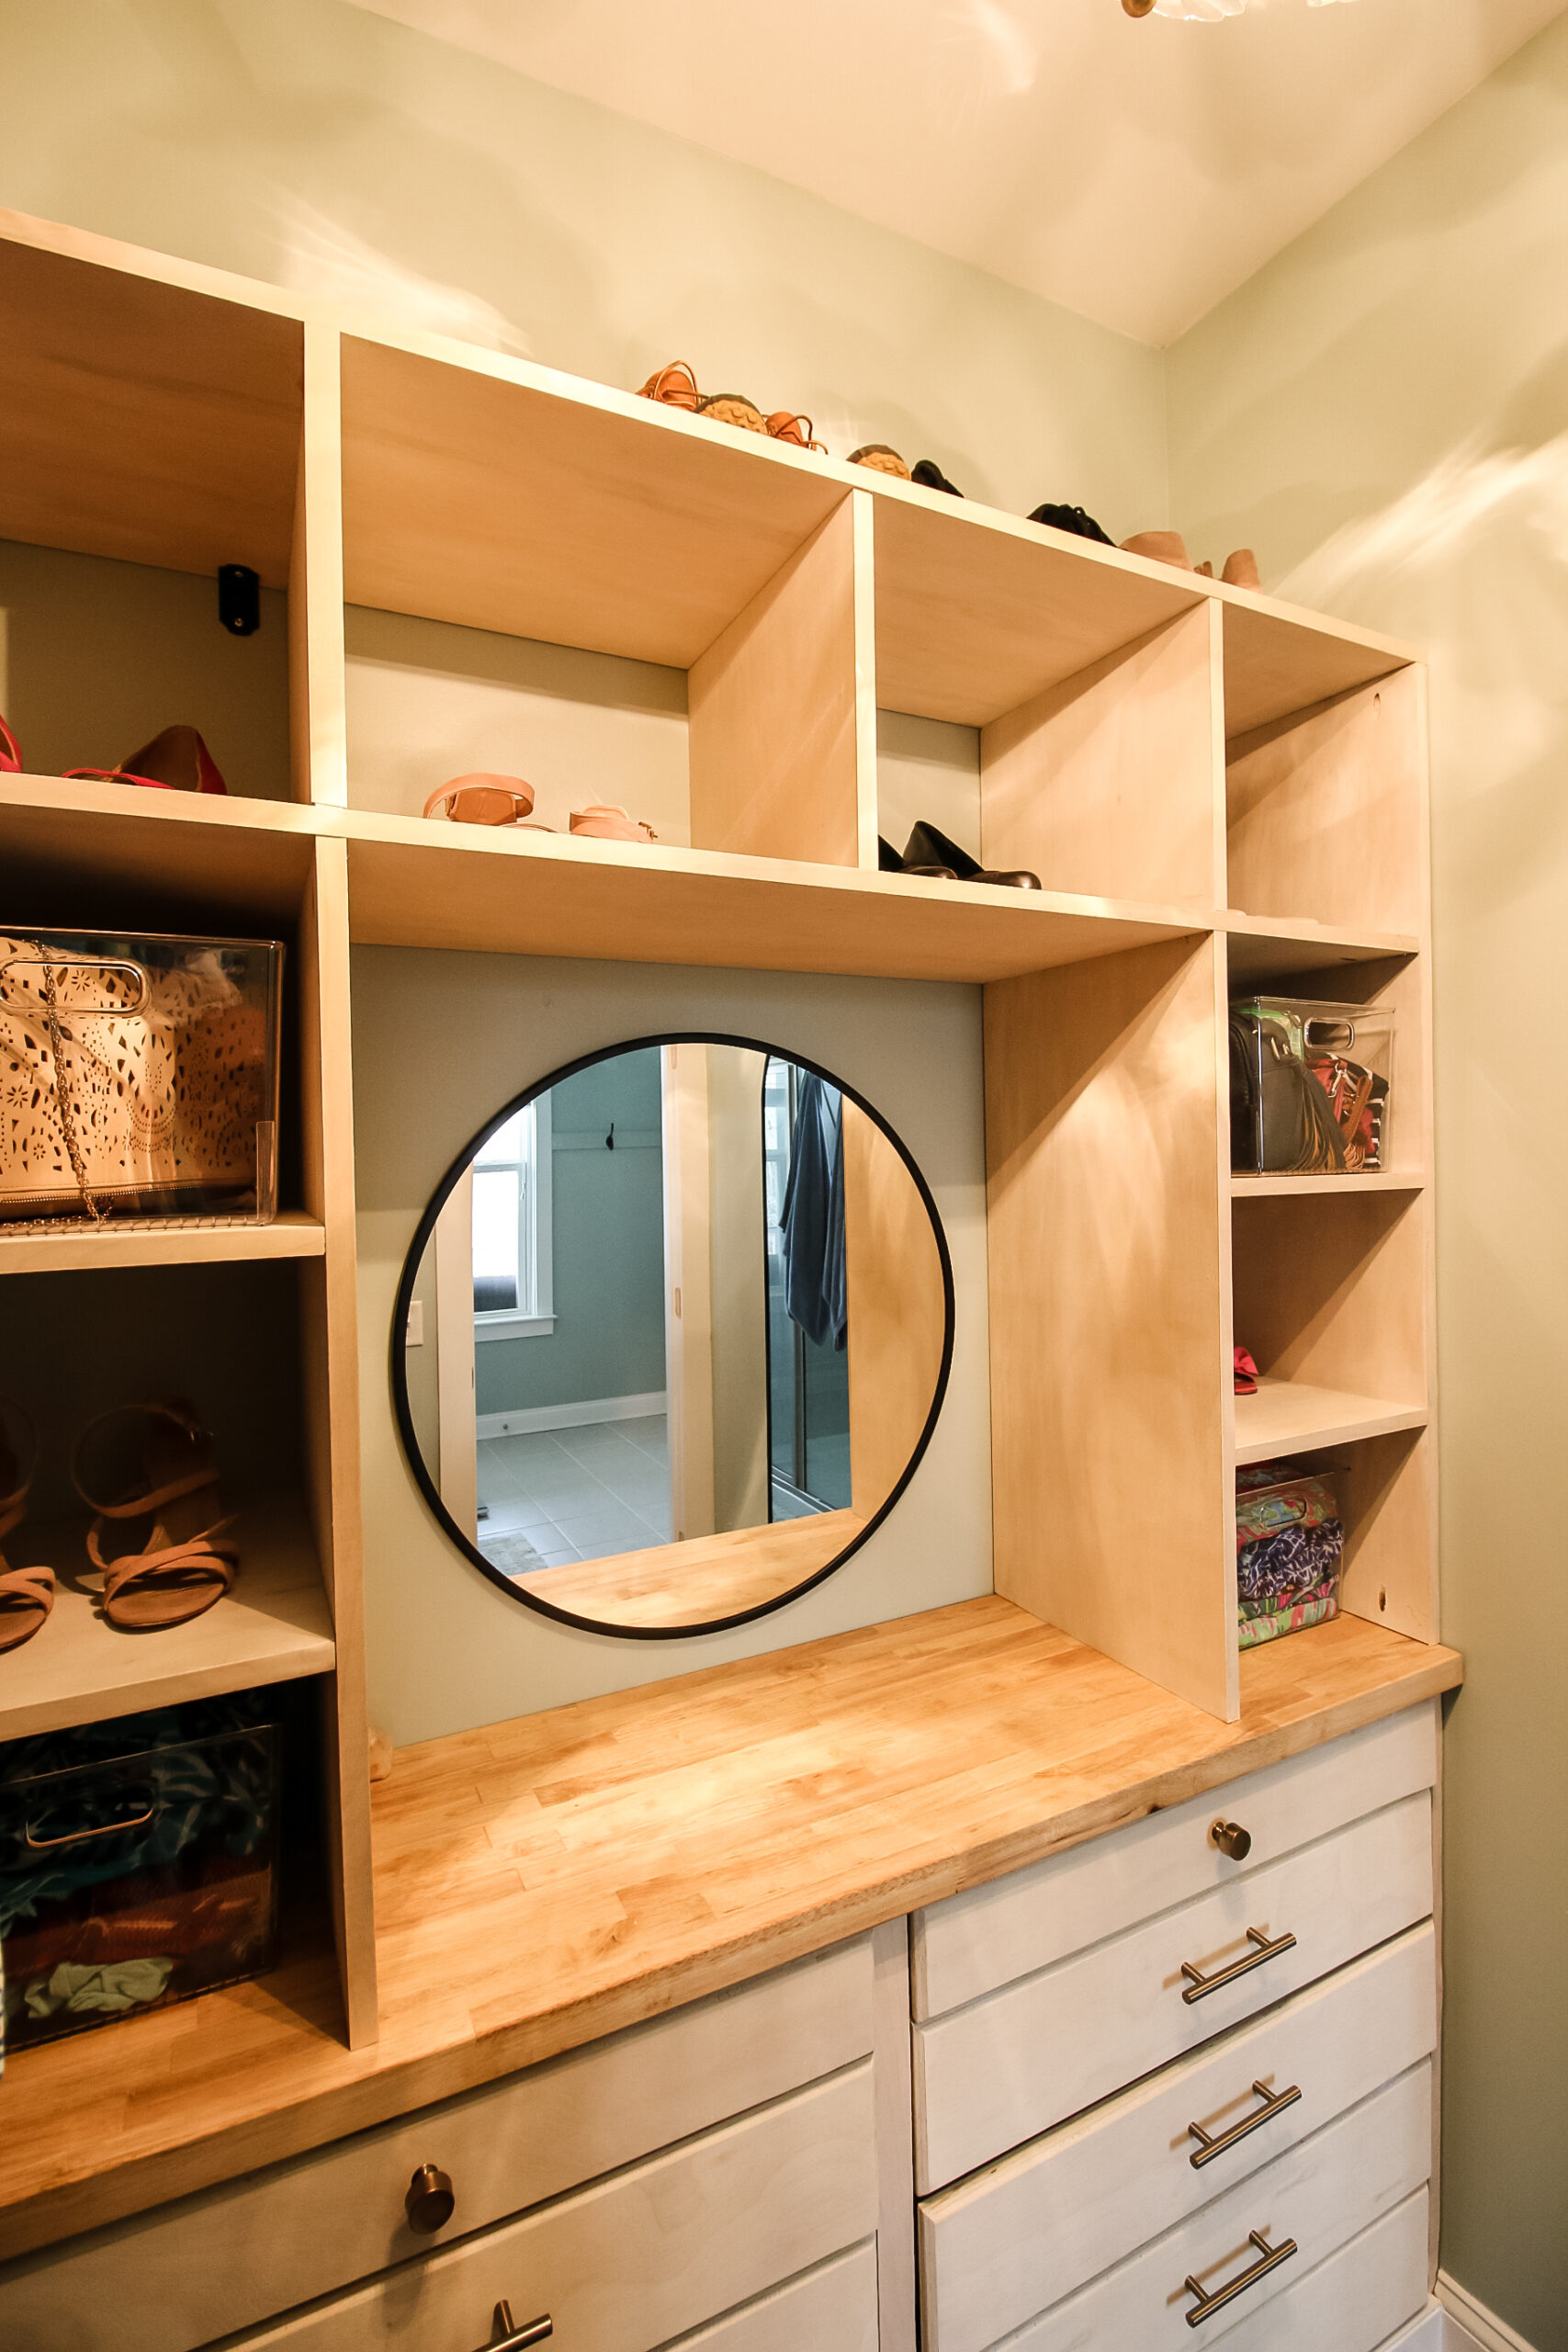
{"x":511,"y":1226}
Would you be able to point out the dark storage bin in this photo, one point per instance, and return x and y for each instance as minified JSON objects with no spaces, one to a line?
{"x":138,"y":1864}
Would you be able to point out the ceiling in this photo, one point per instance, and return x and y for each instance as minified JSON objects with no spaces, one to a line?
{"x":1136,"y":171}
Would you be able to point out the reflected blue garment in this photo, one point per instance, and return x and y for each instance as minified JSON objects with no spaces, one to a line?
{"x":816,"y":1284}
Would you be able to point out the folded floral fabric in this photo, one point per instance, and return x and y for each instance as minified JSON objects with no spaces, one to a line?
{"x":1293,"y":1561}
{"x":1314,"y":1608}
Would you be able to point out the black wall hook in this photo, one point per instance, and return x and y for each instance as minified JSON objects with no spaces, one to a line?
{"x":610,"y":1138}
{"x":238,"y":599}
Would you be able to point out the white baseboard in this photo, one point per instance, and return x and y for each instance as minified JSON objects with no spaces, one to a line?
{"x":1423,"y":2335}
{"x":570,"y":1416}
{"x":1471,"y":2325}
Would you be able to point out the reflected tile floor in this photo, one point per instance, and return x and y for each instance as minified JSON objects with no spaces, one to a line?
{"x":555,"y":1496}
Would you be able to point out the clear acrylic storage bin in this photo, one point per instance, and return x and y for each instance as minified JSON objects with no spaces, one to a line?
{"x":139,"y":1076}
{"x":138,"y":1864}
{"x":1290,"y":1541}
{"x":1310,"y":1087}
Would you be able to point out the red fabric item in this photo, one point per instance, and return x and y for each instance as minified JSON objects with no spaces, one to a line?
{"x":1245,"y":1374}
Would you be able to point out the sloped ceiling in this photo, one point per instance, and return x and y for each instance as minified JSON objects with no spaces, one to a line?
{"x":1136,"y":171}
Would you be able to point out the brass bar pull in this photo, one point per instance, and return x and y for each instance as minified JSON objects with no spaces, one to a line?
{"x":1207,"y":2304}
{"x":1274,"y":2103}
{"x":1198,"y":1984}
{"x":512,"y":2338}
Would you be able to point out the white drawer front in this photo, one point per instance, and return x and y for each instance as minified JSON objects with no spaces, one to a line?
{"x":1321,"y":2194}
{"x":634,"y":2261}
{"x":1353,"y":2302}
{"x":304,"y":2229}
{"x":992,"y":2075}
{"x":1024,"y":2233}
{"x":974,"y":1942}
{"x":831,"y":2309}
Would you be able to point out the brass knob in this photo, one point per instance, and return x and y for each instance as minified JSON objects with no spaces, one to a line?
{"x":430,"y":2202}
{"x":1232,"y":1840}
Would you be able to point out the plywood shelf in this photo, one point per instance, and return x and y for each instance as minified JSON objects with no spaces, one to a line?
{"x":423,"y":884}
{"x":1291,"y":1416}
{"x":1284,"y":1188}
{"x":77,"y":853}
{"x":1279,"y":658}
{"x":1264,"y":948}
{"x":145,"y":420}
{"x":77,"y":1248}
{"x":274,"y":1626}
{"x":412,"y":885}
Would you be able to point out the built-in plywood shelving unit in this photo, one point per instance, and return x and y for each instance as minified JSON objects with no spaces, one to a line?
{"x":1219,"y":793}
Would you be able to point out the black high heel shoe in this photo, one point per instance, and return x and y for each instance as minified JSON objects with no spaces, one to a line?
{"x":930,"y":854}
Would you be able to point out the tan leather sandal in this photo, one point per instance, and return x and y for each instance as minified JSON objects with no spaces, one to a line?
{"x":27,"y":1595}
{"x":187,"y":1562}
{"x":784,"y":425}
{"x":675,"y":385}
{"x":604,"y":820}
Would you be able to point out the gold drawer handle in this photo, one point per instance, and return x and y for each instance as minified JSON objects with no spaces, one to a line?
{"x":1274,"y":2103}
{"x":505,"y":2336}
{"x":1207,"y":2304}
{"x":1198,"y":1984}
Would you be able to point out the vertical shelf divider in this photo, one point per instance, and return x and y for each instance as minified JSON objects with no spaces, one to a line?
{"x":318,"y":719}
{"x":330,"y":1399}
{"x":782,"y":729}
{"x":1108,"y":1294}
{"x":1105,"y":782}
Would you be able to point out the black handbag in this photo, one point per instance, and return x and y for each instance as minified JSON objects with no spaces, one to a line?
{"x":1282,"y":1122}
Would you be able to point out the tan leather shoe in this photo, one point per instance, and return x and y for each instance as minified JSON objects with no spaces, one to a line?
{"x":1241,"y":570}
{"x":1159,"y":547}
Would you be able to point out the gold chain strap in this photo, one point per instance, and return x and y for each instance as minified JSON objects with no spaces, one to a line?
{"x":62,"y":1097}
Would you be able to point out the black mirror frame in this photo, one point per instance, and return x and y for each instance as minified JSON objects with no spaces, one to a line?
{"x":415,"y":1459}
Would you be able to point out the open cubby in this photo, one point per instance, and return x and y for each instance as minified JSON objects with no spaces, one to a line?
{"x":1325,"y":811}
{"x":427,"y":701}
{"x":487,"y":565}
{"x":1386,"y":1492}
{"x":149,"y":433}
{"x":1329,"y":1294}
{"x":78,"y":1344}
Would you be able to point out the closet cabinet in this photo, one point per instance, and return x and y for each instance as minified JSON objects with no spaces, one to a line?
{"x":1220,"y":793}
{"x":1303,"y":1984}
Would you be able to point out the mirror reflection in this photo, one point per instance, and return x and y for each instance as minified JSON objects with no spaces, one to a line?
{"x":676,"y":1334}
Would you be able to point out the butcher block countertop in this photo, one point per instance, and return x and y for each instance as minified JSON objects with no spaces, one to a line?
{"x":544,"y":1881}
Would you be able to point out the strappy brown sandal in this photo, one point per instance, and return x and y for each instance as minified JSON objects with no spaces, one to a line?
{"x":187,"y":1562}
{"x":675,"y":385}
{"x":784,"y":425}
{"x":27,"y":1595}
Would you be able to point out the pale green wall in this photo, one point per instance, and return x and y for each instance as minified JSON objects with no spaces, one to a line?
{"x":307,"y":142}
{"x":1384,"y":412}
{"x":608,"y":1255}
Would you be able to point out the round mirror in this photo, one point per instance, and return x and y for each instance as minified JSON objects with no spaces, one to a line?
{"x":673,"y":1336}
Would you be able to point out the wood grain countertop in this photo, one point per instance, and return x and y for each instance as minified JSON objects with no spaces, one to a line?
{"x":544,"y":1881}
